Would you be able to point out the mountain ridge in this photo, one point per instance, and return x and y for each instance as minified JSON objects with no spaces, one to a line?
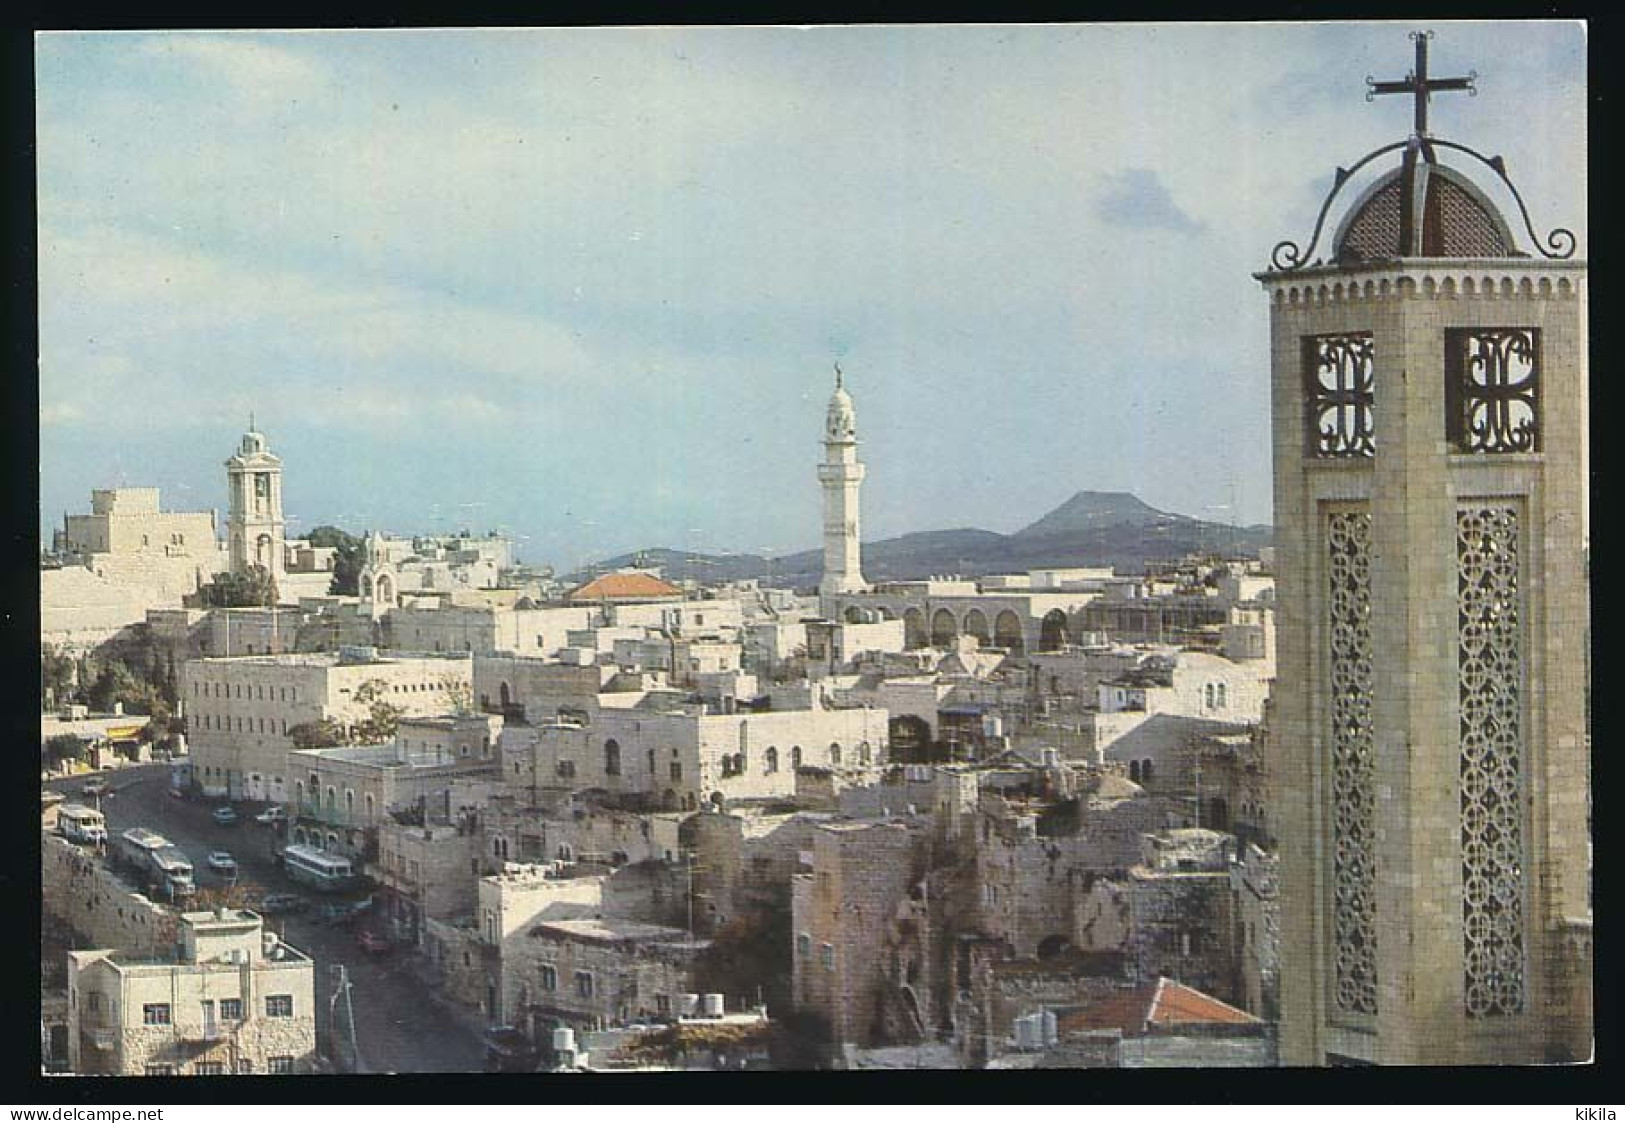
{"x":1098,"y":528}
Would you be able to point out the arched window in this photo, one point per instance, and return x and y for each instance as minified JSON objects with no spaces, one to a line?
{"x":371,"y":803}
{"x":795,"y":756}
{"x":1223,"y":701}
{"x":863,"y":753}
{"x":349,"y":801}
{"x":835,"y":752}
{"x":299,"y":791}
{"x":772,"y":759}
{"x":1145,"y":770}
{"x":1134,"y":771}
{"x":331,"y":796}
{"x":612,"y":757}
{"x":1207,"y":695}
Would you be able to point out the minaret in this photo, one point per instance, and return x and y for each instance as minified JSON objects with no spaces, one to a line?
{"x":1429,"y":746}
{"x":841,"y":474}
{"x":254,"y":487}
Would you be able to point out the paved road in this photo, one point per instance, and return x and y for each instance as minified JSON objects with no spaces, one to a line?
{"x":400,"y":1025}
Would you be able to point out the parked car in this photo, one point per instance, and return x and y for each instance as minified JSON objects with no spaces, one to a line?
{"x":274,"y":904}
{"x":221,"y":861}
{"x":371,"y":942}
{"x":272,"y":816}
{"x":343,"y":912}
{"x":97,"y":786}
{"x":225,"y":816}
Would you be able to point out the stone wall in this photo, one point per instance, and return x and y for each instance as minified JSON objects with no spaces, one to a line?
{"x":80,"y":890}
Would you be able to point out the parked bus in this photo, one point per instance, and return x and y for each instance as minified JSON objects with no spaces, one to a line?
{"x":324,"y":872}
{"x":77,"y":823}
{"x":161,"y":865}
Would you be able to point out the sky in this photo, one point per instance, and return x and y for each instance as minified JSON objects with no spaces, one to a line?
{"x":586,"y":285}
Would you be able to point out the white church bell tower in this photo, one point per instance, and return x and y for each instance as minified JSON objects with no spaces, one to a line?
{"x":255,"y":525}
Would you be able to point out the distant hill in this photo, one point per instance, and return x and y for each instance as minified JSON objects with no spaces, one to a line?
{"x":1091,"y":510}
{"x":1091,"y":528}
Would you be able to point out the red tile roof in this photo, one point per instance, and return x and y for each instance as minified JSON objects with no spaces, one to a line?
{"x":1164,"y":1004}
{"x":625,"y":586}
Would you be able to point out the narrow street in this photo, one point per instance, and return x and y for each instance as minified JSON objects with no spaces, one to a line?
{"x":400,"y":1025}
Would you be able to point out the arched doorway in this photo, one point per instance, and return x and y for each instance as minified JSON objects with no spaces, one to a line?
{"x":976,"y":625}
{"x":1218,"y":814}
{"x":1052,"y":631}
{"x":944,"y":628}
{"x":914,"y":629}
{"x":1007,"y":633}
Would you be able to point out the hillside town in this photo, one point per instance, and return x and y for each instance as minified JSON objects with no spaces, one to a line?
{"x":622,"y":822}
{"x":370,"y":801}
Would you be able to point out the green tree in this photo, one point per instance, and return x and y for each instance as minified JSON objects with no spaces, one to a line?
{"x":323,"y":734}
{"x":349,"y":559}
{"x":64,"y":747}
{"x":116,"y":684}
{"x":56,"y":675}
{"x":382,"y":717}
{"x":458,"y":693}
{"x":254,"y":588}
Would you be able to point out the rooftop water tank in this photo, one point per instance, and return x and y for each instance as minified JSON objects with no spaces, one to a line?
{"x":713,"y":1005}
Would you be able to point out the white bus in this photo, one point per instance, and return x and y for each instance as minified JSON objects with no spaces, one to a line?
{"x":318,"y":869}
{"x":81,"y":824}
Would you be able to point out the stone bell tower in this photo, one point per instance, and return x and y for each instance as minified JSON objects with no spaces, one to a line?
{"x":254,"y":486}
{"x":1429,"y":381}
{"x":841,"y":475}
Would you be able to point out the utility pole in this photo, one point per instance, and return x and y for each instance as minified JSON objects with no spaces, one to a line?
{"x":341,"y":989}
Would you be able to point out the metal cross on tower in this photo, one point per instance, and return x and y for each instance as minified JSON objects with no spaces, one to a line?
{"x":1419,"y":85}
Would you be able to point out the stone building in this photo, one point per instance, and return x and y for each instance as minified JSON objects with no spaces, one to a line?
{"x":127,"y":556}
{"x":860,"y":873}
{"x":678,"y":755}
{"x":591,"y":972}
{"x":240,"y":711}
{"x":342,"y":795}
{"x":129,"y":522}
{"x":233,"y":1000}
{"x":426,"y":871}
{"x":1429,"y":388}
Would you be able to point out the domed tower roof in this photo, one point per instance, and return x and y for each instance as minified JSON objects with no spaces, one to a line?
{"x":1423,"y":208}
{"x":253,"y":449}
{"x":841,"y":422}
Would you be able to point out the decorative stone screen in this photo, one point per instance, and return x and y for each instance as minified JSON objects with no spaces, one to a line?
{"x":1491,"y":688}
{"x":1339,"y":395}
{"x":1492,"y":393}
{"x":1354,"y":882}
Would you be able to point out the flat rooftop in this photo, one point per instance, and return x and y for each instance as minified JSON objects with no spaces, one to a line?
{"x":615,"y":930}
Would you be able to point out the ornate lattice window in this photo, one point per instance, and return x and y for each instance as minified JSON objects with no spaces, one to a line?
{"x":1492,"y":389}
{"x":1354,"y":860}
{"x":1490,"y":670}
{"x":1339,"y":395}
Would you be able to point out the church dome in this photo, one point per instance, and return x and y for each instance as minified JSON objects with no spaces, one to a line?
{"x":1452,"y":217}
